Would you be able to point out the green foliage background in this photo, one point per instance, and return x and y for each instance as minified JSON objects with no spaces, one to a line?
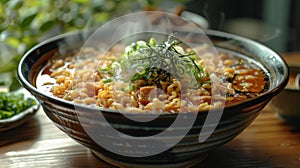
{"x":24,"y":23}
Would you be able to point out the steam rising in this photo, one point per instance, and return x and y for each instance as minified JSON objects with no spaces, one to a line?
{"x":142,"y":26}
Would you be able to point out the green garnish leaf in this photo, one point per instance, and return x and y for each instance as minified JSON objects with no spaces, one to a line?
{"x":161,"y":61}
{"x":108,"y":80}
{"x":128,"y":88}
{"x":107,"y":70}
{"x":152,"y":42}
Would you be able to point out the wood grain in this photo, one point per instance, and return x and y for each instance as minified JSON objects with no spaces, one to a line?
{"x":267,"y":142}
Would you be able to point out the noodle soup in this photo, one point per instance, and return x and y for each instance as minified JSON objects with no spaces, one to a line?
{"x":179,"y":82}
{"x":38,"y":69}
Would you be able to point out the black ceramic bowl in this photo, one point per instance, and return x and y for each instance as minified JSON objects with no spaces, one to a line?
{"x":188,"y":151}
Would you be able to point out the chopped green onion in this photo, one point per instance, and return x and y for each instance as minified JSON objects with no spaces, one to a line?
{"x":107,"y":70}
{"x":207,"y":82}
{"x":12,"y":104}
{"x":128,"y":88}
{"x":152,"y":42}
{"x":108,"y":80}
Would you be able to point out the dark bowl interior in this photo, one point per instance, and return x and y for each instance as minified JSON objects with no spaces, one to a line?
{"x":235,"y":118}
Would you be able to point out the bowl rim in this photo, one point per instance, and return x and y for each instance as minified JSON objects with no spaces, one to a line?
{"x":269,"y":93}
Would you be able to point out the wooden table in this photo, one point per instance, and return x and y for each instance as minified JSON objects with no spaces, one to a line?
{"x":267,"y":142}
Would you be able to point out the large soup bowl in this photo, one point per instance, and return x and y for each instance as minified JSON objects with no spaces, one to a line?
{"x":75,"y":119}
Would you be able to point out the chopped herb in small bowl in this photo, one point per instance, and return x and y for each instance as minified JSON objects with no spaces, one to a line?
{"x":15,"y":108}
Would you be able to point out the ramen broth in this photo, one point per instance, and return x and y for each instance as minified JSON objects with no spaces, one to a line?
{"x":92,"y":78}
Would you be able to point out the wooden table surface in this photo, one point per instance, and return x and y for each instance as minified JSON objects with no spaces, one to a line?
{"x":267,"y":142}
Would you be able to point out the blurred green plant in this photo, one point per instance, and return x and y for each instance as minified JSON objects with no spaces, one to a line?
{"x":24,"y":23}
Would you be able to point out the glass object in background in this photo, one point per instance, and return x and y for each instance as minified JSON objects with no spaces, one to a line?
{"x":274,"y":23}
